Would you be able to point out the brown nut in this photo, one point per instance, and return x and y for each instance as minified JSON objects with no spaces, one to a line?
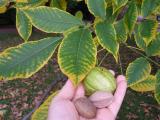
{"x":85,"y":108}
{"x":101,"y":99}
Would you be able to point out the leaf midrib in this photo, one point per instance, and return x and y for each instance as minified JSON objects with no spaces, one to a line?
{"x":77,"y":55}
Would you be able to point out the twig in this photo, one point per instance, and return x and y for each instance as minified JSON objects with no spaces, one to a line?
{"x":120,"y":64}
{"x":146,"y":104}
{"x":100,"y":50}
{"x":135,"y":50}
{"x":103,"y":59}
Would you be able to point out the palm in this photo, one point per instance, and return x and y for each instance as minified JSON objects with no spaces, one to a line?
{"x":62,"y":106}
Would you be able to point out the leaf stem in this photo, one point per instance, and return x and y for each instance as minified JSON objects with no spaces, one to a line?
{"x":100,"y":50}
{"x":103,"y":59}
{"x":136,"y":50}
{"x":120,"y":64}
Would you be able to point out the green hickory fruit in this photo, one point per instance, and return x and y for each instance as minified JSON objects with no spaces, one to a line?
{"x":99,"y":79}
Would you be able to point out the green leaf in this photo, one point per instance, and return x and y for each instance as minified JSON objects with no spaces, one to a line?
{"x":42,"y":112}
{"x":138,"y":71}
{"x":30,"y":3}
{"x":110,"y":16}
{"x":148,"y":30}
{"x":79,"y":14}
{"x":146,"y":85}
{"x":23,"y":25}
{"x":121,"y":31}
{"x":97,"y":8}
{"x":3,"y":3}
{"x":77,"y":54}
{"x":148,"y":6}
{"x":157,"y":87}
{"x":26,"y":59}
{"x":118,"y":4}
{"x":52,"y":19}
{"x":153,"y":48}
{"x":61,"y":4}
{"x":130,"y":17}
{"x":139,"y":40}
{"x":106,"y":34}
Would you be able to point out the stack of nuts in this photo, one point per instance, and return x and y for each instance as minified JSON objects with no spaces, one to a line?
{"x":99,"y":85}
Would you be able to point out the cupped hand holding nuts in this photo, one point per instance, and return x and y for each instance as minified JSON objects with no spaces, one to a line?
{"x":72,"y":104}
{"x":87,"y":107}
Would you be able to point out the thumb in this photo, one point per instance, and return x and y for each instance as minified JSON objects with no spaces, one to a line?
{"x":67,"y":92}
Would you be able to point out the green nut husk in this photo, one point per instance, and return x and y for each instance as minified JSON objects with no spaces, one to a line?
{"x":99,"y":79}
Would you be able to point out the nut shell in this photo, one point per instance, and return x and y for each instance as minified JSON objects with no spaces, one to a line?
{"x":101,"y":99}
{"x":85,"y":108}
{"x":99,"y":79}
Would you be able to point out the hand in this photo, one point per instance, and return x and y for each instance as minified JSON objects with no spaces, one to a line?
{"x":62,"y":106}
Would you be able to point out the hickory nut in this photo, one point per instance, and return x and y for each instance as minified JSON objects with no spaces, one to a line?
{"x":85,"y":108}
{"x":101,"y":99}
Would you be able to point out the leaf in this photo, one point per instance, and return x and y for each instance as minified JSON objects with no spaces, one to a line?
{"x":3,"y":3}
{"x":23,"y":25}
{"x":137,"y":71}
{"x":146,"y":85}
{"x":30,"y":3}
{"x":157,"y":87}
{"x":130,"y":17}
{"x":153,"y":48}
{"x":148,"y":6}
{"x":110,"y":16}
{"x":42,"y":112}
{"x":148,"y":30}
{"x":26,"y":59}
{"x":61,"y":4}
{"x":138,"y":39}
{"x":107,"y":37}
{"x":52,"y":19}
{"x":3,"y":9}
{"x":23,"y":1}
{"x":97,"y":8}
{"x":77,"y":54}
{"x":121,"y":31}
{"x":79,"y":15}
{"x":118,"y":4}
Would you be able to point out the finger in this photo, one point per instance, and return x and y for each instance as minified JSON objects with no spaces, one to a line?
{"x":112,"y":72}
{"x":119,"y":94}
{"x":82,"y":118}
{"x":67,"y":92}
{"x":79,"y":92}
{"x":104,"y":113}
